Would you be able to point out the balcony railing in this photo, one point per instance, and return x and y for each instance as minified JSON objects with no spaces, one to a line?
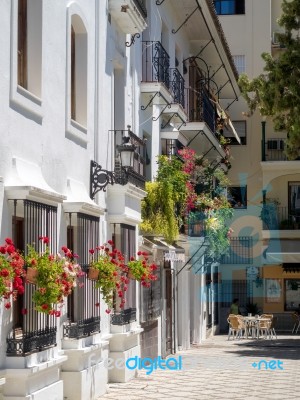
{"x":177,"y":86}
{"x":196,"y":224}
{"x":200,"y":108}
{"x":135,"y":175}
{"x":240,"y":251}
{"x":80,"y":329}
{"x":274,"y":150}
{"x":124,"y":317}
{"x":156,"y":63}
{"x":21,"y":343}
{"x":279,"y":218}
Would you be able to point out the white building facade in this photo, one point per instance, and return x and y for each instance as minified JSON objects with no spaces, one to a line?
{"x":77,"y":80}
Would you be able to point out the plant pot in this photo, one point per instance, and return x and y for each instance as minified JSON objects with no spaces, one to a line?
{"x":93,"y":274}
{"x":130,"y":275}
{"x":31,"y":275}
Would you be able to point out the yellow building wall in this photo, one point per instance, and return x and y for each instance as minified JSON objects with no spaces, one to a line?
{"x":275,"y":272}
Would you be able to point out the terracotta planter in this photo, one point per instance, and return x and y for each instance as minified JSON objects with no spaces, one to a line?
{"x":31,"y":275}
{"x":130,"y":276}
{"x":93,"y":274}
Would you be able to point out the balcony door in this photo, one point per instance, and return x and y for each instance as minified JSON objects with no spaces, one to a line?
{"x":294,"y":198}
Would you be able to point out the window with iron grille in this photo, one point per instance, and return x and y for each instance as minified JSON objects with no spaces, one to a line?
{"x":240,"y":251}
{"x":124,"y":238}
{"x":128,"y":248}
{"x":32,"y":331}
{"x":84,"y":302}
{"x":231,"y":289}
{"x":150,"y":300}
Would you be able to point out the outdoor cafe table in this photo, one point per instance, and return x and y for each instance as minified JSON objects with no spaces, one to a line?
{"x":251,"y":325}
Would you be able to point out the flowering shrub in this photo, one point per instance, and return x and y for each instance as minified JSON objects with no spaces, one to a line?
{"x":57,"y":276}
{"x":109,"y":262}
{"x":141,"y":270}
{"x":11,"y":272}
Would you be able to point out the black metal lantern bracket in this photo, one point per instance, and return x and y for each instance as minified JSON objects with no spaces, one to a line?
{"x":100,"y":178}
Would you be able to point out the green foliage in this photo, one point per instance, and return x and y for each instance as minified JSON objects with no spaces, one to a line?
{"x":56,"y":277}
{"x":218,"y":233}
{"x":276,"y":92}
{"x":158,"y":215}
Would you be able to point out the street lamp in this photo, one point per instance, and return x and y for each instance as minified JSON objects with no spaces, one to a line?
{"x":126,"y":152}
{"x":100,"y":178}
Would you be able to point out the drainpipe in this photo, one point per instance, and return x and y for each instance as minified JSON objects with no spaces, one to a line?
{"x":263,"y":139}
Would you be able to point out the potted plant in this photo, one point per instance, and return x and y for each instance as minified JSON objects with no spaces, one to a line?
{"x":11,"y":272}
{"x":56,"y":276}
{"x":141,"y":270}
{"x":108,"y":270}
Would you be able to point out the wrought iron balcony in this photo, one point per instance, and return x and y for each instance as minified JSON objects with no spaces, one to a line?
{"x":177,"y":86}
{"x":279,"y":218}
{"x":124,"y":317}
{"x":200,"y":108}
{"x":156,"y":63}
{"x":135,"y":174}
{"x":274,"y":150}
{"x":240,"y":251}
{"x":196,"y":224}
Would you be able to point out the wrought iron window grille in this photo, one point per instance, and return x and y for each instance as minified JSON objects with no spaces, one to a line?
{"x":124,"y":317}
{"x":80,"y":329}
{"x":32,"y":331}
{"x":83,"y":303}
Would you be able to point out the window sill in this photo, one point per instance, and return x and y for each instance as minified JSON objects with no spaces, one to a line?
{"x":26,"y":103}
{"x":77,"y":133}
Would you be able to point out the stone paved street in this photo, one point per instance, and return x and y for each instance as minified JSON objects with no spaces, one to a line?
{"x":221,"y":369}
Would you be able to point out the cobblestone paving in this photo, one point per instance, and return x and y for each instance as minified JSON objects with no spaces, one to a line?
{"x":221,"y":369}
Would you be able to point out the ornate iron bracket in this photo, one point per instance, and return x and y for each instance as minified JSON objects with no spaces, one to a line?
{"x":132,"y":40}
{"x":182,"y":124}
{"x":158,"y":94}
{"x":223,"y":86}
{"x":236,"y":99}
{"x":175,"y":114}
{"x":99,"y":179}
{"x":150,"y":101}
{"x":221,"y":66}
{"x":175,"y":31}
{"x":167,"y":105}
{"x":201,"y":131}
{"x":203,"y":48}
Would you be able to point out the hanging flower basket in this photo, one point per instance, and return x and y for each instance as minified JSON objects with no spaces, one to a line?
{"x":93,"y":273}
{"x":31,"y":275}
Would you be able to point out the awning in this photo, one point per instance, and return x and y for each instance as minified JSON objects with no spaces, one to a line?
{"x":162,"y":251}
{"x":25,"y":180}
{"x":224,"y":115}
{"x":78,"y":199}
{"x":282,"y":251}
{"x":291,"y":267}
{"x":234,"y":131}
